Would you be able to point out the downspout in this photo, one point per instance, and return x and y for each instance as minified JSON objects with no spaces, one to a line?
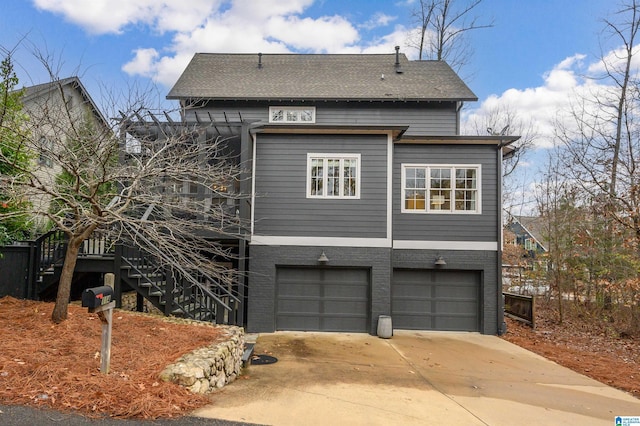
{"x":502,"y":325}
{"x":458,"y":109}
{"x":253,"y":182}
{"x":252,"y":132}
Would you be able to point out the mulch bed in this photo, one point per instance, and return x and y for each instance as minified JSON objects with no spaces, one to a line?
{"x":43,"y":364}
{"x":589,"y":348}
{"x":57,"y":366}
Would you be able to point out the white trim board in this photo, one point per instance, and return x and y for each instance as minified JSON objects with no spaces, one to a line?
{"x":266,"y":240}
{"x":446,"y":245}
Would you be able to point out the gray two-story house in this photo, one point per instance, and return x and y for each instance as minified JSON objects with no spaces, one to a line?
{"x":365,"y":198}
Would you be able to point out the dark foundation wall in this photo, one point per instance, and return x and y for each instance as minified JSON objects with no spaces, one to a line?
{"x":381,"y":263}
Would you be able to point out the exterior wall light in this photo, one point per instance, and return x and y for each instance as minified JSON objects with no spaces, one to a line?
{"x":323,"y":259}
{"x":439,"y":261}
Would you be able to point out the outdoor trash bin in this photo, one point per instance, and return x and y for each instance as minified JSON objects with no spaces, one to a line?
{"x":385,"y":329}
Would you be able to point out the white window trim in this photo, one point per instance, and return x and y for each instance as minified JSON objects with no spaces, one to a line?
{"x":297,"y":110}
{"x":428,"y":209}
{"x":326,"y":156}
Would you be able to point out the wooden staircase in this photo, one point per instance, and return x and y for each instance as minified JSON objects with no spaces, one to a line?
{"x":174,"y":291}
{"x":47,"y":257}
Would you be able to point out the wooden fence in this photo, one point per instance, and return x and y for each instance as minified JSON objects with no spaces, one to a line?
{"x":520,"y":307}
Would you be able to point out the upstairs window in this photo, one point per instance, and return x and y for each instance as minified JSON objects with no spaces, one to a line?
{"x":440,"y":189}
{"x":333,"y":176}
{"x":529,"y":244}
{"x":296,"y":115}
{"x":46,"y":152}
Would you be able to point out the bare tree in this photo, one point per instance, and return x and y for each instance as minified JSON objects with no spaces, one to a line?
{"x":558,"y":206}
{"x":169,"y":188}
{"x":599,"y":148}
{"x":442,"y":27}
{"x":504,"y":120}
{"x":601,"y":144}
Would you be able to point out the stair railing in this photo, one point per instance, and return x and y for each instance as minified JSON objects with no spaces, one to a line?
{"x":187,"y":289}
{"x":50,"y":249}
{"x":193,"y":290}
{"x":45,"y":251}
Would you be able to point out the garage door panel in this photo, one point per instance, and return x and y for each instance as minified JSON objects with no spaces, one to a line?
{"x":469,"y":292}
{"x":298,"y":305}
{"x":322,"y":299}
{"x":414,"y":321}
{"x":451,"y":323}
{"x":344,"y":307}
{"x":346,"y":291}
{"x":413,"y":306}
{"x":412,"y":291}
{"x":453,"y":308}
{"x":436,"y":300}
{"x":300,"y":290}
{"x":342,"y":324}
{"x":298,"y":322}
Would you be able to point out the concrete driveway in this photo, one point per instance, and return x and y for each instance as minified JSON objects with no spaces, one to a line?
{"x":419,"y":378}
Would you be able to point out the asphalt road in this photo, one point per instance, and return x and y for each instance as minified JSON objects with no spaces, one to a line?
{"x":16,"y":415}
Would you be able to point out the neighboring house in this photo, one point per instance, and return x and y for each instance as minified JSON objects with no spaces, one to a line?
{"x":366,"y":200}
{"x":528,"y":231}
{"x":65,"y":102}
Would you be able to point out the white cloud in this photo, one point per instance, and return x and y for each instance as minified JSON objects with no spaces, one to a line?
{"x":275,"y":27}
{"x":259,"y":10}
{"x":269,"y":26}
{"x":378,"y":20}
{"x":571,"y":61}
{"x":324,"y":34}
{"x":143,"y":62}
{"x":543,"y":105}
{"x":384,"y":44}
{"x":111,"y":16}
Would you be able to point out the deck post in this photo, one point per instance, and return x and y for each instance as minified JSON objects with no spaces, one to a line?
{"x":117,"y":266}
{"x":168,"y":292}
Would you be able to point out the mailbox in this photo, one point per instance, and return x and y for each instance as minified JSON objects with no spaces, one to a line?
{"x":96,"y":296}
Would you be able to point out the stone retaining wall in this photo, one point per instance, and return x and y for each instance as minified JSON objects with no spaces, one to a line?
{"x":209,"y":368}
{"x":129,"y":304}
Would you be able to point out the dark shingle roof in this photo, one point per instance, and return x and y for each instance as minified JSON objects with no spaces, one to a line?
{"x":535,"y":225}
{"x":319,"y":77}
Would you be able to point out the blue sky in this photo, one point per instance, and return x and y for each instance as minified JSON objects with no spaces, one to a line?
{"x":530,"y":59}
{"x":527,"y":40}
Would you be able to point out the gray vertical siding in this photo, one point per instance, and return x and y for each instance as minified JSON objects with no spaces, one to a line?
{"x":281,"y":205}
{"x":447,"y":227}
